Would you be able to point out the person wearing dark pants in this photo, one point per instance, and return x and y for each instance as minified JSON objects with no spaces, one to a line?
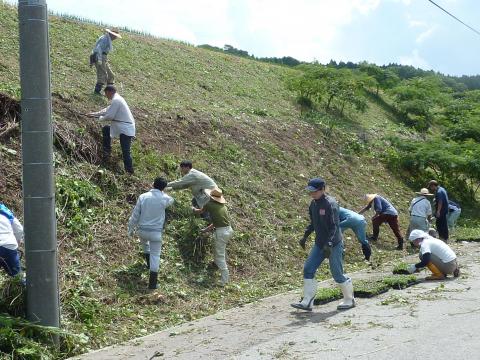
{"x":11,"y":236}
{"x":125,"y":144}
{"x":324,"y":221}
{"x":122,"y":125}
{"x":441,"y":209}
{"x":384,"y":213}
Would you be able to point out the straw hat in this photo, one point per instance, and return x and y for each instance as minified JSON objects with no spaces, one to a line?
{"x":115,"y":32}
{"x":216,"y":195}
{"x":424,"y":192}
{"x":369,"y":198}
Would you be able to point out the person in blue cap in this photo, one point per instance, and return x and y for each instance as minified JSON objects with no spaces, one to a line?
{"x":352,"y":220}
{"x":11,"y":236}
{"x":324,"y":221}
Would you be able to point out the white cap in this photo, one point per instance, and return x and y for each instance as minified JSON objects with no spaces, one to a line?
{"x":417,"y":234}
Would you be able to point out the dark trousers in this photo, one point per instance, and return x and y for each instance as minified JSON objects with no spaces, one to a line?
{"x":391,"y":220}
{"x":125,"y":144}
{"x":10,"y":261}
{"x":442,"y":227}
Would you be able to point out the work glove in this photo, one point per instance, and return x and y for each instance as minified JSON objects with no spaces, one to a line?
{"x":302,"y":242}
{"x":411,"y":268}
{"x":327,"y":250}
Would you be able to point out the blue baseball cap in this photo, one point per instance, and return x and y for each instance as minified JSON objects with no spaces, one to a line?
{"x":315,"y":184}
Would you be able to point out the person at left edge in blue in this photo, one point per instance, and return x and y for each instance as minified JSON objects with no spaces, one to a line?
{"x":324,"y":221}
{"x":11,"y":236}
{"x":352,"y":220}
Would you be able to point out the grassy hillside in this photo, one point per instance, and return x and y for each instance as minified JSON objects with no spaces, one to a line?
{"x":237,"y":121}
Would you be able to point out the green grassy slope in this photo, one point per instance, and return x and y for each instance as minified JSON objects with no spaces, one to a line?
{"x":235,"y":119}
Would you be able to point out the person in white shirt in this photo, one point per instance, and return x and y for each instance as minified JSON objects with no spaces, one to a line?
{"x":436,"y":255}
{"x":420,"y":211}
{"x":121,"y":124}
{"x":11,"y":236}
{"x":148,"y":220}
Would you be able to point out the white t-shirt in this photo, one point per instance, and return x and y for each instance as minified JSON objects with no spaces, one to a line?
{"x":438,"y":248}
{"x":11,"y":233}
{"x":420,"y":206}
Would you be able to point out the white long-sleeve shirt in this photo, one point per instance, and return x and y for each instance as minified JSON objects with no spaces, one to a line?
{"x":120,"y":117}
{"x":11,"y":233}
{"x":149,"y":212}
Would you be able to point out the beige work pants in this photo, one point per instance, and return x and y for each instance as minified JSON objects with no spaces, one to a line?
{"x":104,"y":73}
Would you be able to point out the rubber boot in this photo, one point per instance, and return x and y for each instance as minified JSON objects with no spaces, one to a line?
{"x":224,"y":277}
{"x":309,"y":291}
{"x":367,"y":251}
{"x":348,"y":300}
{"x":436,"y":273}
{"x":146,"y":256}
{"x":152,"y":282}
{"x":400,"y":244}
{"x":98,"y":89}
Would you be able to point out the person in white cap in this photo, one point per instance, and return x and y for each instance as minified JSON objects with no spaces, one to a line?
{"x":221,"y":226}
{"x":420,"y":211}
{"x":437,"y":256}
{"x":99,"y":58}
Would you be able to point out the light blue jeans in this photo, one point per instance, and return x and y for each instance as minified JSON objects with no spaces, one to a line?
{"x":452,"y":218}
{"x":359,"y":228}
{"x":316,"y":258}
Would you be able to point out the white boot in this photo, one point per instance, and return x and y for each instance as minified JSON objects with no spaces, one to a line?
{"x":309,"y":291}
{"x":348,"y":301}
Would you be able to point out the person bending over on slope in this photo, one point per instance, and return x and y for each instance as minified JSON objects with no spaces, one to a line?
{"x":351,"y":220}
{"x":384,"y":212}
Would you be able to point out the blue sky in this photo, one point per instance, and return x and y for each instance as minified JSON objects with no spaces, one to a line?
{"x":412,"y":32}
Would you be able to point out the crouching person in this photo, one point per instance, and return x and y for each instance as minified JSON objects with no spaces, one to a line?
{"x":11,"y":236}
{"x":437,"y":256}
{"x":324,"y":221}
{"x":223,"y":232}
{"x":148,"y":219}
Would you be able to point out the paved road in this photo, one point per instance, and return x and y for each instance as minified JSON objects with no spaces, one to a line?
{"x":431,"y":320}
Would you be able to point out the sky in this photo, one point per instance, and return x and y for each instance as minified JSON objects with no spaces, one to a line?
{"x":409,"y":32}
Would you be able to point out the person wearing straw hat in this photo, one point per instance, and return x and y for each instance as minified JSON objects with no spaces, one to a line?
{"x":385,"y":212}
{"x":324,"y":221}
{"x":221,"y":227}
{"x":99,"y":58}
{"x":420,"y":211}
{"x":437,"y":256}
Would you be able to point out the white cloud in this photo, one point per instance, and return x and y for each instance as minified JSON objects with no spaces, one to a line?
{"x":414,"y":59}
{"x":426,"y":34}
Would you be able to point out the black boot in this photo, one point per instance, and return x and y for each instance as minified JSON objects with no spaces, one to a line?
{"x":152,"y":282}
{"x":146,"y":256}
{"x":98,"y":89}
{"x":400,"y":244}
{"x":367,"y":251}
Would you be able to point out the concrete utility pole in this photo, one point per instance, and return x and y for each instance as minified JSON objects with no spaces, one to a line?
{"x":38,"y":180}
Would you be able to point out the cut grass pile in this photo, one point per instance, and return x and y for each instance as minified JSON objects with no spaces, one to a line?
{"x":367,"y":288}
